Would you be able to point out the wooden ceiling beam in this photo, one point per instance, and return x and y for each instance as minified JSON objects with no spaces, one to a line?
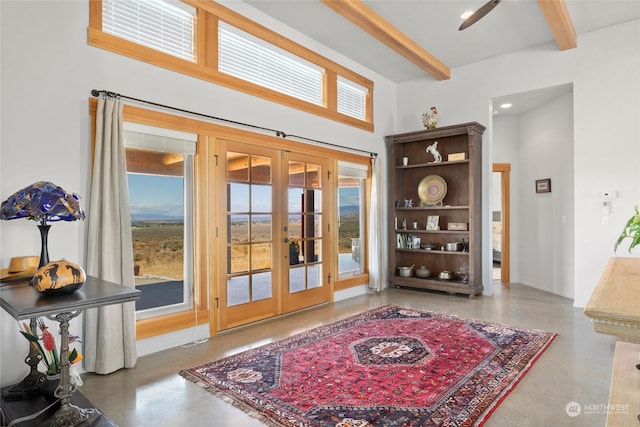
{"x":368,"y":20}
{"x":558,"y":19}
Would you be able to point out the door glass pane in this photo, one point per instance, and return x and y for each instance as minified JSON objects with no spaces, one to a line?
{"x":237,"y":167}
{"x":317,"y":225}
{"x":238,"y":198}
{"x":261,"y":228}
{"x":316,"y":201}
{"x":237,"y":290}
{"x":295,"y":226}
{"x":261,"y":256}
{"x":318,"y":250}
{"x":296,"y":174}
{"x":260,"y":198}
{"x":238,"y":228}
{"x":296,"y":279}
{"x":261,"y":286}
{"x":261,"y":169}
{"x":295,"y":199}
{"x":239,"y":258}
{"x":313,"y":175}
{"x":313,"y":276}
{"x":294,"y":251}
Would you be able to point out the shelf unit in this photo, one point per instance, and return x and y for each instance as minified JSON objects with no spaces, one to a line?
{"x":462,"y":204}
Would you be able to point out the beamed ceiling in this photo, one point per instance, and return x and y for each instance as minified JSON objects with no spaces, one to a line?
{"x":407,"y":39}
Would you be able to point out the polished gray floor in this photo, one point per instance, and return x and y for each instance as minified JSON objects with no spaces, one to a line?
{"x":576,"y":367}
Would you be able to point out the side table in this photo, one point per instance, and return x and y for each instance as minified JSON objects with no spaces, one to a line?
{"x":14,"y":409}
{"x":22,"y":301}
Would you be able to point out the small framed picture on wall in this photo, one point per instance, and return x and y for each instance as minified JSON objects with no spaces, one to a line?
{"x":432,"y":222}
{"x":543,"y":185}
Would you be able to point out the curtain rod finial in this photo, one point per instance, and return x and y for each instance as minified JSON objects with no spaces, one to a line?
{"x":95,"y":92}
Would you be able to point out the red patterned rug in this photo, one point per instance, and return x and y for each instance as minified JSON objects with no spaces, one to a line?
{"x":390,"y":366}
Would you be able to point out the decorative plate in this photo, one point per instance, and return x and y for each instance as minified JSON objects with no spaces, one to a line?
{"x":432,"y":190}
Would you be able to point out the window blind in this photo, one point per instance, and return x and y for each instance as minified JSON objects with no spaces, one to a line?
{"x":354,"y":170}
{"x":158,"y":139}
{"x":167,"y":26}
{"x":352,"y":98}
{"x":245,"y":56}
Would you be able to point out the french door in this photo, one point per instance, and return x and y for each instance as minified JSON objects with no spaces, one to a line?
{"x":273,"y":237}
{"x":307,"y":237}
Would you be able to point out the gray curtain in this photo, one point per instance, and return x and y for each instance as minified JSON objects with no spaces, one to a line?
{"x":377,"y":261}
{"x":110,"y":331}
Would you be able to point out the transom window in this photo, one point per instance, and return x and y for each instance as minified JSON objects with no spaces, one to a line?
{"x":231,"y":51}
{"x":162,"y":25}
{"x":247,"y":57}
{"x":352,"y":98}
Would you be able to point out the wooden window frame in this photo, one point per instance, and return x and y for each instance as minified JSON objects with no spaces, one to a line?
{"x":205,"y":68}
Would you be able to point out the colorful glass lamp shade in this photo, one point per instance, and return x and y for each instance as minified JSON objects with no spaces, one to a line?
{"x":43,"y":202}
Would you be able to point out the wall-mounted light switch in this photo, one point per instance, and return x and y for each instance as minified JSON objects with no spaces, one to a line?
{"x":606,"y":207}
{"x":608,"y":195}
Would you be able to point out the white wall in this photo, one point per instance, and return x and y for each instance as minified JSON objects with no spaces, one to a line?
{"x":47,"y":72}
{"x":604,"y":70}
{"x":546,"y":219}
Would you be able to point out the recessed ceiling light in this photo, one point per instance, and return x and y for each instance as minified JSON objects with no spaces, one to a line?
{"x":505,"y":105}
{"x":467,"y":14}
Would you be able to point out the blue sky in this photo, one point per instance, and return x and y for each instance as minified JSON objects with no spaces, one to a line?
{"x":158,"y":195}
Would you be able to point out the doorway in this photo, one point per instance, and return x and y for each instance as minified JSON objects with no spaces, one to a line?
{"x":272,"y":241}
{"x":501,"y":224}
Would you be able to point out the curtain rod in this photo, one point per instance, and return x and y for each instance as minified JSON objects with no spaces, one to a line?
{"x":96,"y":93}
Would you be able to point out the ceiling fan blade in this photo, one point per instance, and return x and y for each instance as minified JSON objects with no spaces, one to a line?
{"x":478,"y":14}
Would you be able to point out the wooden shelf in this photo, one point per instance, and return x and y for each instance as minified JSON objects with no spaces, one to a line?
{"x":433,"y":283}
{"x":411,"y":231}
{"x":462,"y":204}
{"x":432,"y":251}
{"x":430,"y":165}
{"x":432,"y":208}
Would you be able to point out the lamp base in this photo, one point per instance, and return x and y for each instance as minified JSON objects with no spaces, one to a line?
{"x":44,"y":248}
{"x":27,"y":388}
{"x":30,"y":385}
{"x":70,"y":415}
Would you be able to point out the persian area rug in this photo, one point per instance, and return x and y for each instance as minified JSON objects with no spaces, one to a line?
{"x":391,"y":366}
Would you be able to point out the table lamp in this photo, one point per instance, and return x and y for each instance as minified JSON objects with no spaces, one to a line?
{"x":43,"y":202}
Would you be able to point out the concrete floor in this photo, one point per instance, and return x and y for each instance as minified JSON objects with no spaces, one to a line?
{"x":576,"y":367}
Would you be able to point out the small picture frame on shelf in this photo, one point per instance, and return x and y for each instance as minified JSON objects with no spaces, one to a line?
{"x":543,"y":185}
{"x":432,"y":222}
